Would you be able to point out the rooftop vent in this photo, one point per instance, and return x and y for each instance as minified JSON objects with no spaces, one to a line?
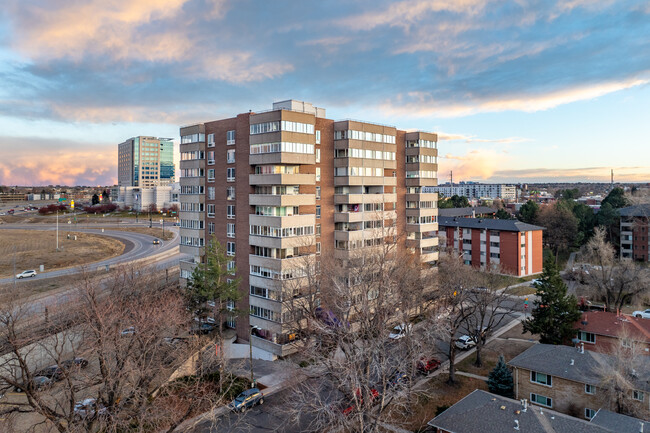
{"x":516,"y":424}
{"x":572,"y":362}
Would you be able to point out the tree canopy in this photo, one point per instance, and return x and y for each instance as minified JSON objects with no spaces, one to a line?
{"x":500,"y":380}
{"x":453,"y":202}
{"x":529,"y":212}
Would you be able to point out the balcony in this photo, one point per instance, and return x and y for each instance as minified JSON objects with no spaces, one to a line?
{"x":415,"y":181}
{"x":281,"y":200}
{"x":271,"y":347}
{"x":295,"y":262}
{"x":418,"y":212}
{"x":282,"y":221}
{"x":365,"y":180}
{"x":290,"y":242}
{"x":351,"y":217}
{"x":433,"y":196}
{"x":429,"y":257}
{"x":364,"y":198}
{"x":282,"y":158}
{"x":429,"y":227}
{"x":282,"y":179}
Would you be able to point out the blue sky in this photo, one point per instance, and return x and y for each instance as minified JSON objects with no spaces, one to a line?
{"x":519,"y":91}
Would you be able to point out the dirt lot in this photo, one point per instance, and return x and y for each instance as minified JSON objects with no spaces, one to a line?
{"x":36,"y":247}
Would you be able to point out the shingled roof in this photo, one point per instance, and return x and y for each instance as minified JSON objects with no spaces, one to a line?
{"x":487,"y":223}
{"x":619,"y":423}
{"x":483,"y":412}
{"x":639,"y":210}
{"x":465,"y":211}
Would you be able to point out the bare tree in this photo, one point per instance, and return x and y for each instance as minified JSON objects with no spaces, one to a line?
{"x":617,"y":281}
{"x":362,"y":374}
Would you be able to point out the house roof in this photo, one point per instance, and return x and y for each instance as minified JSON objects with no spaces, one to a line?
{"x":639,"y":210}
{"x":612,"y":325}
{"x":466,"y":211}
{"x":569,"y":363}
{"x":487,"y":223}
{"x":483,"y":412}
{"x":620,"y":423}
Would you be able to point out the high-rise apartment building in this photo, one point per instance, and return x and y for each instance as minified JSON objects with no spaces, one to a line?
{"x":635,"y":232}
{"x":477,"y":190}
{"x":145,"y":162}
{"x":279,"y":186}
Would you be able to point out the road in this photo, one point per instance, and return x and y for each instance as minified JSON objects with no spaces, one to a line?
{"x":137,"y":246}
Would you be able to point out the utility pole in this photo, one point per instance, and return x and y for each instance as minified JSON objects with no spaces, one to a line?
{"x":57,"y":230}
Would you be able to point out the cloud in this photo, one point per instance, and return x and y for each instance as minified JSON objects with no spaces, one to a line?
{"x":477,"y":164}
{"x":578,"y":174}
{"x":443,"y":136}
{"x":425,"y":104}
{"x":38,"y":161}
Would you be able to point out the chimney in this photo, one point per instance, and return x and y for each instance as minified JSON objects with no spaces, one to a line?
{"x":516,"y":425}
{"x":641,"y":427}
{"x":571,"y":361}
{"x":582,"y":347}
{"x":524,"y":403}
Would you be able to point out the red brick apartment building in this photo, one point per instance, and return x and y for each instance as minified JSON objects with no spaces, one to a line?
{"x":635,"y":232}
{"x":281,"y":186}
{"x":602,"y":331}
{"x":515,"y":246}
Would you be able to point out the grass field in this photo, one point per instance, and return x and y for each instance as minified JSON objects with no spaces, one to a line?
{"x":33,"y":248}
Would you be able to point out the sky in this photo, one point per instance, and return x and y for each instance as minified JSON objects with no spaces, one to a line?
{"x":518,"y":91}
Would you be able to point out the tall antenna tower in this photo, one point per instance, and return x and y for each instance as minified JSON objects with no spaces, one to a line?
{"x":451,"y":177}
{"x":612,"y":178}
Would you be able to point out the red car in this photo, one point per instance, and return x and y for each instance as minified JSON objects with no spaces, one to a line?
{"x":427,"y":365}
{"x":374,"y":394}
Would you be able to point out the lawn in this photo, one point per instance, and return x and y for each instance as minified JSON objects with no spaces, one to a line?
{"x":520,"y":290}
{"x":156,"y":232}
{"x":29,"y":249}
{"x":490,"y":354}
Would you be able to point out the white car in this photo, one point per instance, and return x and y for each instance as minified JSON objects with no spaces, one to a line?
{"x":465,"y":342}
{"x":400,"y":331}
{"x":645,"y":314}
{"x":88,"y":408}
{"x":26,"y":274}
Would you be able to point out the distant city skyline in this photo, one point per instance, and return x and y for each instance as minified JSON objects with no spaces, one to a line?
{"x":557,"y":92}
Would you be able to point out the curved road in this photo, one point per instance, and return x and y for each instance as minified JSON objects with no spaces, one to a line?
{"x":137,"y":246}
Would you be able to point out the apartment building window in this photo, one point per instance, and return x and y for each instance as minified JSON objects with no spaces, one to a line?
{"x":495,"y":233}
{"x":230,"y":193}
{"x":317,"y":155}
{"x":210,"y":228}
{"x":587,"y":337}
{"x":211,"y":175}
{"x":318,"y":193}
{"x":495,"y":255}
{"x":589,"y":413}
{"x":590,"y":389}
{"x":230,"y":174}
{"x":317,"y":211}
{"x":494,"y":244}
{"x":230,"y":248}
{"x":230,"y":267}
{"x":230,"y":137}
{"x":317,"y":174}
{"x":210,"y":210}
{"x":541,"y":378}
{"x":230,"y":230}
{"x":211,"y":141}
{"x":211,"y":193}
{"x":626,"y":342}
{"x":317,"y":247}
{"x":211,"y":157}
{"x":317,"y":229}
{"x":231,"y":156}
{"x":638,"y":395}
{"x":317,"y":137}
{"x":541,"y":400}
{"x":230,"y":211}
{"x":262,"y":313}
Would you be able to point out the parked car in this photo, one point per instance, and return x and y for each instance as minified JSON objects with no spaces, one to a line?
{"x":246,"y":400}
{"x":427,"y":365}
{"x":202,"y":328}
{"x":480,"y":290}
{"x":400,"y":331}
{"x":536,"y":282}
{"x":348,"y":409}
{"x":465,"y":342}
{"x":26,"y":274}
{"x":645,"y":314}
{"x":128,"y":331}
{"x":53,"y":372}
{"x":156,"y":241}
{"x":398,"y":379}
{"x":39,"y":383}
{"x":89,"y":408}
{"x":75,"y":362}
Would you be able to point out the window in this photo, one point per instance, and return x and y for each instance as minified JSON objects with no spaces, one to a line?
{"x":230,"y":174}
{"x":211,"y":193}
{"x":230,"y":138}
{"x":317,"y":211}
{"x":317,"y":174}
{"x":587,"y":337}
{"x":231,"y":156}
{"x":231,"y":266}
{"x":230,"y":193}
{"x":211,"y":210}
{"x":638,"y":395}
{"x":230,"y":211}
{"x":590,"y":389}
{"x":230,"y":230}
{"x":211,"y":141}
{"x":317,"y":155}
{"x":211,"y":175}
{"x":318,"y":193}
{"x":262,"y":313}
{"x":317,"y":247}
{"x":317,"y":138}
{"x":211,"y":157}
{"x":230,"y":248}
{"x":541,"y":378}
{"x":541,"y":400}
{"x":317,"y":229}
{"x":589,"y":413}
{"x":626,"y":342}
{"x":210,"y":228}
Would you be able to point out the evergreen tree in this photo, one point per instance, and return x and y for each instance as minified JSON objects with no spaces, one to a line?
{"x":554,"y":312}
{"x":529,"y":212}
{"x":502,"y":214}
{"x":500,"y":379}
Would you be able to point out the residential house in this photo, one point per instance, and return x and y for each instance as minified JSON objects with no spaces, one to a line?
{"x":601,"y":331}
